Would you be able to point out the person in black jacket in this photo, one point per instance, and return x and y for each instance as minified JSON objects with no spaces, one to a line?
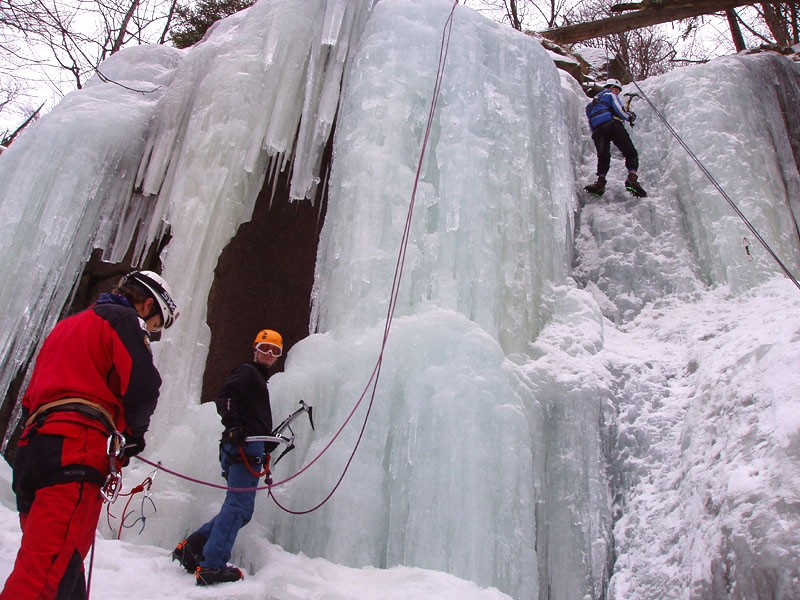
{"x":243,"y":405}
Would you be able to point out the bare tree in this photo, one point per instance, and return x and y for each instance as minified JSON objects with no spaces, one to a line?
{"x":640,"y":52}
{"x":59,"y":44}
{"x":773,"y":22}
{"x":9,"y":95}
{"x":736,"y":31}
{"x":693,"y":36}
{"x":524,"y":15}
{"x":552,"y":11}
{"x":7,"y":137}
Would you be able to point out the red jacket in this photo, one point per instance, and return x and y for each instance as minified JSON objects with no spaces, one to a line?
{"x":102,"y":355}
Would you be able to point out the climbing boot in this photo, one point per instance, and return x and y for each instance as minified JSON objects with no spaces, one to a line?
{"x":632,"y":185}
{"x":598,"y":187}
{"x":189,"y":552}
{"x":206,"y":576}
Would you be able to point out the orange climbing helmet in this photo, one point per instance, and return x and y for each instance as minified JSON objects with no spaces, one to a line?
{"x":268,"y":336}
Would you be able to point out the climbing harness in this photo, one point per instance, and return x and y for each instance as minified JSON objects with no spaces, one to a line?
{"x":87,"y":408}
{"x":716,"y":184}
{"x":247,"y":461}
{"x":115,"y":444}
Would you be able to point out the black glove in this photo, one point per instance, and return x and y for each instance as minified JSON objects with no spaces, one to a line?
{"x":632,"y":118}
{"x":234,"y":435}
{"x":132,"y":447}
{"x":269,"y":447}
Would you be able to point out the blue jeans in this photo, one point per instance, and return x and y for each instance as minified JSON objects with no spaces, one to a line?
{"x":236,"y":510}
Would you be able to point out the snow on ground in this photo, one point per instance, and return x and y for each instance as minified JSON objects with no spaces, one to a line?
{"x":123,"y":570}
{"x":707,"y":434}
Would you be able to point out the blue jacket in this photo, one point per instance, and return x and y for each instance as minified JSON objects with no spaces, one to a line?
{"x":605,"y":106}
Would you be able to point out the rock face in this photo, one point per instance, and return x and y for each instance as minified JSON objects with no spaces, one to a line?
{"x":263,"y":280}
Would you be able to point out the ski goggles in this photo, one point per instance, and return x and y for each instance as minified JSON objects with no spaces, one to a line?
{"x":270,"y":349}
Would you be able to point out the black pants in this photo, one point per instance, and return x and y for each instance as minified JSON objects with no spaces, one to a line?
{"x":614,"y":131}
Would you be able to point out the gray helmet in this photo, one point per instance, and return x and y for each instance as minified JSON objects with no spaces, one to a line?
{"x":156,"y":285}
{"x":613,"y":83}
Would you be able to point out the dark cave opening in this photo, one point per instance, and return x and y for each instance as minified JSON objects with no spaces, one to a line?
{"x":264,"y":278}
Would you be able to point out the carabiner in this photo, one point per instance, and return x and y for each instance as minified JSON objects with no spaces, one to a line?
{"x":115,"y":446}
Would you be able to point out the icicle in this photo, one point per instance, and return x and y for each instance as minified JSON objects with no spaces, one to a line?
{"x":334,"y":11}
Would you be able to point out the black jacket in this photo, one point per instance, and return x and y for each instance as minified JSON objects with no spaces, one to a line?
{"x":243,"y":400}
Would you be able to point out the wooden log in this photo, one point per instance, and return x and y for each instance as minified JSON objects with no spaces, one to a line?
{"x":653,"y":14}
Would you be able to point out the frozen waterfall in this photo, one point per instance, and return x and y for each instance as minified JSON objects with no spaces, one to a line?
{"x":575,"y":401}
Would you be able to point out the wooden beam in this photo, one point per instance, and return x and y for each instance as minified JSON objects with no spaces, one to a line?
{"x":653,"y":14}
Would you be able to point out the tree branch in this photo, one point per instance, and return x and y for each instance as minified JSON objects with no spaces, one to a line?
{"x":652,"y":14}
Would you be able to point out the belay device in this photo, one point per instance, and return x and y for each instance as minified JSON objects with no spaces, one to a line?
{"x":279,"y":437}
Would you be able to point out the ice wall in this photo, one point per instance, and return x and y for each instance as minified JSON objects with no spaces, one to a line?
{"x":452,"y":467}
{"x":734,"y":118}
{"x":168,"y":139}
{"x":700,"y":465}
{"x":258,"y":94}
{"x":496,"y":171}
{"x":496,"y":191}
{"x":739,"y":118}
{"x":66,"y":188}
{"x":504,"y":396}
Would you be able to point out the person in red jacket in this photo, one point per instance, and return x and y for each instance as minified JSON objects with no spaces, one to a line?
{"x":86,"y":410}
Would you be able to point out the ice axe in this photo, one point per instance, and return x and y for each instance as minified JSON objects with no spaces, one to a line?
{"x":279,"y":437}
{"x":630,"y":98}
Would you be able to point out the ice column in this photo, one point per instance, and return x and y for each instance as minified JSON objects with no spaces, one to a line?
{"x":67,"y":187}
{"x":446,"y":476}
{"x":233,"y":112}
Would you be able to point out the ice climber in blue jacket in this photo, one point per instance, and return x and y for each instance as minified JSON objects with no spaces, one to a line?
{"x":607,"y":118}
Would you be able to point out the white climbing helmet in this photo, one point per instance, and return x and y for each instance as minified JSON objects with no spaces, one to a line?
{"x":160,"y":290}
{"x":613,"y":83}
